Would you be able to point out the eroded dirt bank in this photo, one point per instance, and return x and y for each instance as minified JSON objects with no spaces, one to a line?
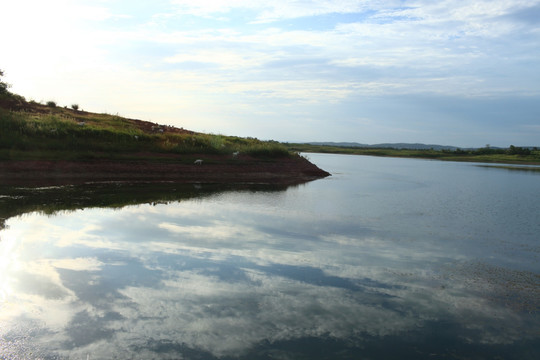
{"x":214,"y":169}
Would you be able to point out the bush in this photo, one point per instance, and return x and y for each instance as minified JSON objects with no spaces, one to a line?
{"x":51,"y":104}
{"x":516,"y":150}
{"x":75,"y":107}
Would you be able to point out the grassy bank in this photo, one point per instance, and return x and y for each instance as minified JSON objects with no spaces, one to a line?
{"x":512,"y":155}
{"x":30,"y":130}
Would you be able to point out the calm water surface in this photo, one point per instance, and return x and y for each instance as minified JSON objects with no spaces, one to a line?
{"x":386,"y":259}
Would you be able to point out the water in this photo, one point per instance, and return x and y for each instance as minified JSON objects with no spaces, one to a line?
{"x":386,"y":259}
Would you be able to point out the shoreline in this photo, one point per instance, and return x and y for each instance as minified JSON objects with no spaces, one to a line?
{"x":214,"y":169}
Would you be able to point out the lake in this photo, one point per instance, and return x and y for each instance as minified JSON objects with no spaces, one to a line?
{"x":386,"y":259}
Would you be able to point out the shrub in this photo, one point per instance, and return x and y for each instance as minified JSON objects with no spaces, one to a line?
{"x":75,"y":107}
{"x":51,"y":104}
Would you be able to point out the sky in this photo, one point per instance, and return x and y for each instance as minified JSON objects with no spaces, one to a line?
{"x":449,"y":72}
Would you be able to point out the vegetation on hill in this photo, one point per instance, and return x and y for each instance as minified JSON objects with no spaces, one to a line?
{"x":65,"y":133}
{"x":30,"y":130}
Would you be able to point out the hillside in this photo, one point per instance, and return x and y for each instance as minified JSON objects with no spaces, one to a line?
{"x":46,"y":144}
{"x":32,"y":130}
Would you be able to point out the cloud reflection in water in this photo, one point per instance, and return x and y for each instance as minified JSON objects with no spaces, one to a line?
{"x":224,"y":278}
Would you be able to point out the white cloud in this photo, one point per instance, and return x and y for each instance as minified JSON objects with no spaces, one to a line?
{"x":271,"y":11}
{"x":78,"y":264}
{"x":215,"y":232}
{"x":221,"y":57}
{"x":421,"y":11}
{"x":185,"y":67}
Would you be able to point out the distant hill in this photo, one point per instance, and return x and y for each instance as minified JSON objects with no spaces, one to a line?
{"x":405,"y":146}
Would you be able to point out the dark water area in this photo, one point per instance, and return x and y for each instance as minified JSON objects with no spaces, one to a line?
{"x":385,"y":259}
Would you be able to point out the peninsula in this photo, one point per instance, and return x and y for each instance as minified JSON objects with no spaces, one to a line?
{"x":47,"y":144}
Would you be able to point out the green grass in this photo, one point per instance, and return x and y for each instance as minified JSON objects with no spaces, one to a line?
{"x":54,"y":133}
{"x":47,"y":132}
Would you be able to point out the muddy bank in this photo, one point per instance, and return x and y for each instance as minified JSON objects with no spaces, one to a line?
{"x":214,"y":169}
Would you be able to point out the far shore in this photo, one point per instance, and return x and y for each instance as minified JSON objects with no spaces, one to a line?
{"x":480,"y":155}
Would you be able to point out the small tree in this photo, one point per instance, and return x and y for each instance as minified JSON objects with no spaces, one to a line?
{"x":75,"y":107}
{"x":3,"y":86}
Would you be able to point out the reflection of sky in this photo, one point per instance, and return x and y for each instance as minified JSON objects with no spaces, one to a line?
{"x":241,"y":271}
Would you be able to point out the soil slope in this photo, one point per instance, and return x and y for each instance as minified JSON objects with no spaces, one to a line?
{"x":214,"y":169}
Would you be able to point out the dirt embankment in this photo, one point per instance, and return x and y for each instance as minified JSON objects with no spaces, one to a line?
{"x":214,"y":169}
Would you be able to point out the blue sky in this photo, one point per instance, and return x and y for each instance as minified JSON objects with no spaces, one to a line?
{"x":464,"y":73}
